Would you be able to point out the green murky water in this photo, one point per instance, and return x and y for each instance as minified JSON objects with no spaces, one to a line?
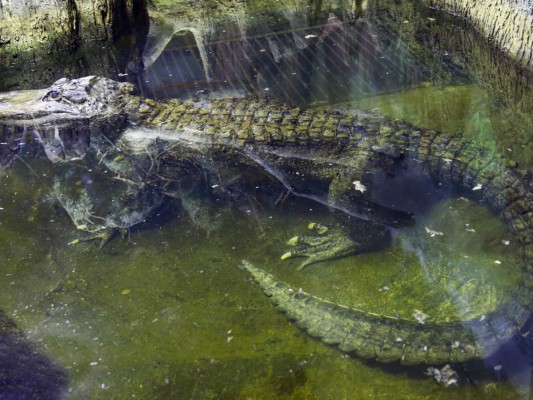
{"x":168,"y":314}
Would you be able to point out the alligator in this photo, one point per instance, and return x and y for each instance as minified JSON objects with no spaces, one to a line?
{"x":305,"y":150}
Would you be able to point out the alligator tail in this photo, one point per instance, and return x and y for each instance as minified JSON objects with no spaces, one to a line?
{"x":389,"y":339}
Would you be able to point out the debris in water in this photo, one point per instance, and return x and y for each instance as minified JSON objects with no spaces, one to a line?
{"x":445,"y":376}
{"x":433,"y":233}
{"x":479,"y":186}
{"x":359,"y":186}
{"x":420,"y":317}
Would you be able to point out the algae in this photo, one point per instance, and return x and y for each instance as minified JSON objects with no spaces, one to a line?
{"x":169,"y":314}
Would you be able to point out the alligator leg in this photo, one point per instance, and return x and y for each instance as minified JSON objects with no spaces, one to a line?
{"x":362,"y":224}
{"x":103,"y":238}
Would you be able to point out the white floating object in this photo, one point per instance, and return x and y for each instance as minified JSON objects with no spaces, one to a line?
{"x":420,"y":317}
{"x":359,"y":186}
{"x":497,"y":262}
{"x":479,"y":186}
{"x":433,"y":233}
{"x":310,"y":36}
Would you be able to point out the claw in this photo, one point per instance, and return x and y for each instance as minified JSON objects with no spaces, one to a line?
{"x":320,"y":229}
{"x":309,"y":240}
{"x":299,"y":252}
{"x":293,"y":241}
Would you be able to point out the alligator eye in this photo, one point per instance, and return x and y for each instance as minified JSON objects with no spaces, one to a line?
{"x":54,"y":94}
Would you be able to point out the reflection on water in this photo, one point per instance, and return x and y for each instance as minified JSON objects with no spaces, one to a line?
{"x":297,"y":57}
{"x":311,"y":56}
{"x":167,"y":313}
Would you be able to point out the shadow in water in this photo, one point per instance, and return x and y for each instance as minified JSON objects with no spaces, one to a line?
{"x":26,"y":373}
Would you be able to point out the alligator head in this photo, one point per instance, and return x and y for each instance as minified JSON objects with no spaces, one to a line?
{"x":66,"y":100}
{"x":61,"y":117}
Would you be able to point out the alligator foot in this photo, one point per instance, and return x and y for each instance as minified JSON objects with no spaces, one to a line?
{"x":102,"y":238}
{"x":326,"y":243}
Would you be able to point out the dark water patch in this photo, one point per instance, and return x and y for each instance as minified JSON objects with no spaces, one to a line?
{"x":27,"y":374}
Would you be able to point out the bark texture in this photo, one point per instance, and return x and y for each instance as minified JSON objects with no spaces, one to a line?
{"x":506,"y":23}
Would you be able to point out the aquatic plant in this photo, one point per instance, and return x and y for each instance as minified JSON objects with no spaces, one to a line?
{"x":80,"y":210}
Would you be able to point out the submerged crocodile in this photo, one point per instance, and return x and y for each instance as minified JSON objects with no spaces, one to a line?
{"x":348,"y":155}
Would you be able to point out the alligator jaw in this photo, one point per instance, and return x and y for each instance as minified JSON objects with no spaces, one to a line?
{"x":26,"y":107}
